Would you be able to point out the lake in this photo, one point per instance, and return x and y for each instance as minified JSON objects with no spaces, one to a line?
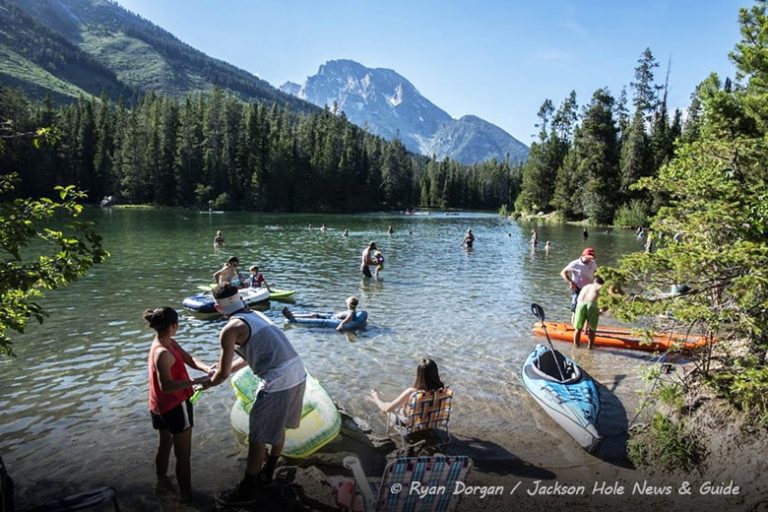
{"x":74,"y":400}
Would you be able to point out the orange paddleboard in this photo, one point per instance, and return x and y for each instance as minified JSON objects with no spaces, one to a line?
{"x":620,"y":337}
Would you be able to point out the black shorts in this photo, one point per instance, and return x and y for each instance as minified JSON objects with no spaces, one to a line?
{"x":366,"y":271}
{"x":175,"y":421}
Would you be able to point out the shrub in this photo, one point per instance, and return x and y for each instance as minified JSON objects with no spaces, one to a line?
{"x":203,"y":194}
{"x":632,"y":215}
{"x":745,"y":385}
{"x":665,"y":444}
{"x":222,"y":202}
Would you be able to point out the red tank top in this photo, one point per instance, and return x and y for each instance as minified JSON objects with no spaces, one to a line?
{"x":160,"y":401}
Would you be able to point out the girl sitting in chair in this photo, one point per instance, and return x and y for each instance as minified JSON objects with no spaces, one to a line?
{"x":427,"y":379}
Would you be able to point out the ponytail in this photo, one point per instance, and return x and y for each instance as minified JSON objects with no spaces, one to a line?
{"x":161,"y":319}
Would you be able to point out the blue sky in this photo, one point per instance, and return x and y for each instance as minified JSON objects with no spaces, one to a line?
{"x":493,"y":58}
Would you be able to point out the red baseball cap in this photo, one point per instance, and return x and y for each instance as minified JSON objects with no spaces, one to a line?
{"x":588,"y":252}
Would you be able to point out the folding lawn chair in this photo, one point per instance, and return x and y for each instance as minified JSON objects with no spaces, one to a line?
{"x":428,"y":410}
{"x":395,"y":493}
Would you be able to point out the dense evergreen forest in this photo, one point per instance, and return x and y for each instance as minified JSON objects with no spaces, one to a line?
{"x":584,"y":164}
{"x":217,"y":149}
{"x":236,"y":155}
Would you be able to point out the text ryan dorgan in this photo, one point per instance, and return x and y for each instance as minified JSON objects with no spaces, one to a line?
{"x":482,"y":491}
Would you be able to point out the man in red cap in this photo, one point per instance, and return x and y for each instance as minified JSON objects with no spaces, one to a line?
{"x":578,"y":274}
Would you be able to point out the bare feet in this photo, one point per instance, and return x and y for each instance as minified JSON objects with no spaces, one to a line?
{"x":164,"y":486}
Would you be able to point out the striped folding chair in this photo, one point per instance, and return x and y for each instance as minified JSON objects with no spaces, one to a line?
{"x":412,"y":484}
{"x":426,"y":410}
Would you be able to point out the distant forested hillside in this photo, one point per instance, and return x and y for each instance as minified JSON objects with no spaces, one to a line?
{"x":236,"y":155}
{"x":68,"y":47}
{"x":44,"y":63}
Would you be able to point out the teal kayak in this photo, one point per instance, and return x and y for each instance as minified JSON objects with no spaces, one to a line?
{"x":566,"y":394}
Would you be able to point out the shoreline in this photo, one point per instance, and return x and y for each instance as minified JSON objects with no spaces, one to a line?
{"x":532,"y":477}
{"x":502,"y":480}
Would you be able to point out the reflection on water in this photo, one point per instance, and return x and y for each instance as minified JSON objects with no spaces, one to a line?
{"x":74,"y":401}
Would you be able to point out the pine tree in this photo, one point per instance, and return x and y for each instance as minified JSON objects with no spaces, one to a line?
{"x":597,"y":159}
{"x":188,"y":161}
{"x":717,"y":199}
{"x":637,"y":155}
{"x":104,"y":146}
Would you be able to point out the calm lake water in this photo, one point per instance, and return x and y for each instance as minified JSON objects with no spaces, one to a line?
{"x":73,"y":409}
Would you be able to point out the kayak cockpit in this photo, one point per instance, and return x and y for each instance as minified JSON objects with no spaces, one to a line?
{"x":550,"y":365}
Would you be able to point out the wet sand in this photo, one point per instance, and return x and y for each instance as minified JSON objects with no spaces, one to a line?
{"x":500,"y":478}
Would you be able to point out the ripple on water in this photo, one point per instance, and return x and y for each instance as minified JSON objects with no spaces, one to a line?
{"x":468,"y":310}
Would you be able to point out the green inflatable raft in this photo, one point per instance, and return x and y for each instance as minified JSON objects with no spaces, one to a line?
{"x":320,"y":419}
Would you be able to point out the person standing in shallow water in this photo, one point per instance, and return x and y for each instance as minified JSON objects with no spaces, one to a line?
{"x":170,"y":390}
{"x":469,"y":239}
{"x":587,"y":312}
{"x":585,"y":234}
{"x":264,"y":348}
{"x":578,"y":274}
{"x":218,"y":240}
{"x":229,"y":274}
{"x":368,"y":260}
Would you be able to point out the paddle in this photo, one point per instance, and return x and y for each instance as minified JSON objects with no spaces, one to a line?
{"x":538,"y":311}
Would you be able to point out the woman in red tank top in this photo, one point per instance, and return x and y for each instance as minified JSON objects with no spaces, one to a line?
{"x":170,"y":389}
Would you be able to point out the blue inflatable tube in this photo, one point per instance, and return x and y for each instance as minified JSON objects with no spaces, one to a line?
{"x":204,"y":303}
{"x":328,"y":320}
{"x":199,"y":303}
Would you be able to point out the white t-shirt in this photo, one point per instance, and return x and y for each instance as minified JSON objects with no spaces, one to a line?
{"x":581,"y":273}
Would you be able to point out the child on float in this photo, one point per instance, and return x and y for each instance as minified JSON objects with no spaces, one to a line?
{"x":345,"y":316}
{"x":257,"y":279}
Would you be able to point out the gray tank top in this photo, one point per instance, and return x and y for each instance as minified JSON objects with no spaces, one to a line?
{"x":269,"y":353}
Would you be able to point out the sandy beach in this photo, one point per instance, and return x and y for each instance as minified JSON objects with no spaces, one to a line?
{"x":533,"y":478}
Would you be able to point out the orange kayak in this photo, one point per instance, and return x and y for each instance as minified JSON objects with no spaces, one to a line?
{"x":620,"y":337}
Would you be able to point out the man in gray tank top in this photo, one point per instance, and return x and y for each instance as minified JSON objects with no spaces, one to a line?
{"x":263,"y":346}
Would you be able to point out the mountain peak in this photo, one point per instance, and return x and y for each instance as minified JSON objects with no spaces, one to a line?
{"x":390,"y":106}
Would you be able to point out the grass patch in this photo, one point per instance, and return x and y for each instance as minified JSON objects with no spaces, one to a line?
{"x":745,"y":385}
{"x":670,"y":394}
{"x":665,"y":444}
{"x":25,"y":71}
